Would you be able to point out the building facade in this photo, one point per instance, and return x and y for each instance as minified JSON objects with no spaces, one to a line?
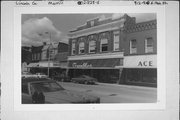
{"x":26,"y":54}
{"x":45,"y":57}
{"x":115,"y":51}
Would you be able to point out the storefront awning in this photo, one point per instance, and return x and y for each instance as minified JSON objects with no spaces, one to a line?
{"x":33,"y":65}
{"x":50,"y":64}
{"x":96,"y":63}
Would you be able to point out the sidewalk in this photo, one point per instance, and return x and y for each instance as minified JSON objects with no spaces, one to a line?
{"x":128,"y":86}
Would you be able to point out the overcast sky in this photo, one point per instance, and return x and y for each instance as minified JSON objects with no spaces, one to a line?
{"x":38,"y":28}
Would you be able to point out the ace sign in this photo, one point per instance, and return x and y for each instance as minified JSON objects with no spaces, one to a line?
{"x":140,"y":61}
{"x":145,"y":63}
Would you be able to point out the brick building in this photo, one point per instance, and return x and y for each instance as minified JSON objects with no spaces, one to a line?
{"x":45,"y":56}
{"x":115,"y":51}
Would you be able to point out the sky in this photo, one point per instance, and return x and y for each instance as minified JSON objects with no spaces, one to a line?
{"x":39,"y":28}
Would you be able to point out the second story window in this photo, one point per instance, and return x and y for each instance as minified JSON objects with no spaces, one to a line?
{"x":44,"y":55}
{"x":81,"y":48}
{"x":73,"y":48}
{"x":104,"y":45}
{"x":92,"y":23}
{"x":92,"y":46}
{"x":39,"y":56}
{"x":149,"y":45}
{"x":35,"y":56}
{"x":116,"y":41}
{"x":133,"y":46}
{"x":32,"y":56}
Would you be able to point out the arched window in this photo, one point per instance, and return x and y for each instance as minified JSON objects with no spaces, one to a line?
{"x":81,"y":48}
{"x":104,"y":44}
{"x":92,"y":46}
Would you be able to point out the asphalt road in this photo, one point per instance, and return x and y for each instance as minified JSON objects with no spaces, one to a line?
{"x":114,"y":93}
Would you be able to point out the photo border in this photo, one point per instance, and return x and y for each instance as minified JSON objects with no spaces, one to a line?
{"x":161,"y":57}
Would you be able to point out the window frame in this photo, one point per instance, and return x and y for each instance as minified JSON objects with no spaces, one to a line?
{"x":73,"y":50}
{"x":80,"y":47}
{"x":102,"y":44}
{"x":131,"y":49}
{"x":114,"y":36}
{"x":146,"y":45}
{"x":94,"y":45}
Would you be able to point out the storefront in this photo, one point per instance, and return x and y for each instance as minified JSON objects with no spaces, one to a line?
{"x":55,"y":68}
{"x":105,"y":70}
{"x":140,"y":70}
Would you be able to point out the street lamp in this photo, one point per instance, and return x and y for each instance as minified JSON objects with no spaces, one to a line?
{"x":49,"y":51}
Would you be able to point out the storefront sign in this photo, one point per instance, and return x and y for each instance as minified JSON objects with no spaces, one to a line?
{"x":140,"y":61}
{"x":84,"y":65}
{"x":96,"y":63}
{"x":145,"y":63}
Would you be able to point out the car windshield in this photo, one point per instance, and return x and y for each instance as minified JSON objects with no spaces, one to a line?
{"x":46,"y":87}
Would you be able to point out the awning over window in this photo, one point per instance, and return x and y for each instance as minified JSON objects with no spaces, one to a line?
{"x":50,"y":64}
{"x":96,"y":63}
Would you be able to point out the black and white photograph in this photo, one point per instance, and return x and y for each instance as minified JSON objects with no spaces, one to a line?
{"x":89,"y":58}
{"x":113,"y":60}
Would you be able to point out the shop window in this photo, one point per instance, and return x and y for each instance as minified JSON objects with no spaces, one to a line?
{"x":104,"y":45}
{"x":73,"y":48}
{"x":149,"y":75}
{"x":133,"y":75}
{"x":92,"y":46}
{"x":148,"y":45}
{"x":81,"y":48}
{"x":116,"y":41}
{"x":133,"y":46}
{"x":142,"y":75}
{"x":121,"y":61}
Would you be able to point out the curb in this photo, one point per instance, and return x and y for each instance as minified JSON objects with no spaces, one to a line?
{"x":128,"y":86}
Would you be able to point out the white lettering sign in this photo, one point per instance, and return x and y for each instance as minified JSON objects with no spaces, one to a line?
{"x":84,"y":65}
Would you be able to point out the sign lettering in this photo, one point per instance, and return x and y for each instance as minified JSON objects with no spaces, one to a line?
{"x":84,"y":65}
{"x":145,"y":63}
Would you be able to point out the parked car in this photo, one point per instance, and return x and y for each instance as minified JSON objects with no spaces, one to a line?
{"x":27,"y":74}
{"x":41,"y":75}
{"x":48,"y":91}
{"x":84,"y":79}
{"x":61,"y":78}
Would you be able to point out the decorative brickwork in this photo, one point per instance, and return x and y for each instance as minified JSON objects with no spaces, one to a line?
{"x":140,"y":26}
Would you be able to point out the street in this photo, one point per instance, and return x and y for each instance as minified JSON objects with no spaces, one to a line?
{"x":114,"y":93}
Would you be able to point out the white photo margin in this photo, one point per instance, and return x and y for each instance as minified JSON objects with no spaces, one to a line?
{"x":161,"y":50}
